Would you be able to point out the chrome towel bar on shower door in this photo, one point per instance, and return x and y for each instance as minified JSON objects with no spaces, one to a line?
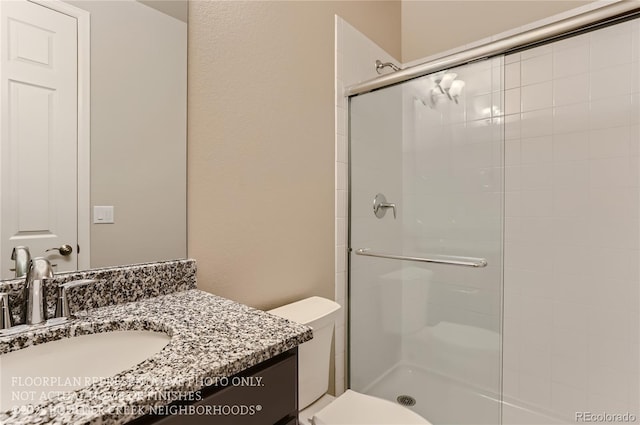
{"x":452,"y":260}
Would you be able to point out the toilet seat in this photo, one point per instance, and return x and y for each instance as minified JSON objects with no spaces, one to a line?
{"x":353,"y":408}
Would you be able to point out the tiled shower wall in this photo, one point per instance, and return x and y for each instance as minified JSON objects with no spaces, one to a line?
{"x":355,"y":62}
{"x":572,"y":216}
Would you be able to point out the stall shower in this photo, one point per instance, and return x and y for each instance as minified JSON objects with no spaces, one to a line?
{"x":494,"y":235}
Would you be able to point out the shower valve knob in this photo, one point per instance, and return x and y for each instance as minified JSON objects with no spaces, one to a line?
{"x":380,"y":206}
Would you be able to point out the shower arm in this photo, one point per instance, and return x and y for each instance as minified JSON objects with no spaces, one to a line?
{"x":380,"y":66}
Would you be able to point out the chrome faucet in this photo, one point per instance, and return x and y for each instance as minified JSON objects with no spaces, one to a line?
{"x":21,"y":257}
{"x":35,"y":306}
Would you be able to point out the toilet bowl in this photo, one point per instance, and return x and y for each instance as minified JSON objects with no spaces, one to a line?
{"x":350,"y":408}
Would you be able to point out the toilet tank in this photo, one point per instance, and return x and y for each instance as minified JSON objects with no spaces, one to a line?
{"x":313,"y":356}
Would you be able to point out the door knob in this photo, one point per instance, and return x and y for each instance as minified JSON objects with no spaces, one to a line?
{"x":63,"y":250}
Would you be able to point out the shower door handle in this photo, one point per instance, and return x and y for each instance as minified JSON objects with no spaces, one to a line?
{"x":442,"y":259}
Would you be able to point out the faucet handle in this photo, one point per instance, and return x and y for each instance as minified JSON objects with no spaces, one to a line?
{"x":6,"y":321}
{"x":62,"y":305}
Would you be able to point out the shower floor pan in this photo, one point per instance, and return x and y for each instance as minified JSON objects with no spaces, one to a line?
{"x":444,"y":401}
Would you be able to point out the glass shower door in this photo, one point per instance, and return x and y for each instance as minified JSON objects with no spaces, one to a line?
{"x":426,"y":207}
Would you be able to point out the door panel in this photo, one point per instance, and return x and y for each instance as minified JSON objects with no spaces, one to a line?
{"x":425,"y":277}
{"x":38,"y":149}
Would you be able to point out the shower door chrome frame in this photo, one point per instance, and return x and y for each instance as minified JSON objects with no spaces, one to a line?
{"x":606,"y":15}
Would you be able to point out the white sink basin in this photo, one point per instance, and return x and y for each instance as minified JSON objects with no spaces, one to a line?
{"x":38,"y":373}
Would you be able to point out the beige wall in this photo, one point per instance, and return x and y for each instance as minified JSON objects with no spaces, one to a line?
{"x":430,"y":27}
{"x":138,"y":132}
{"x":261,"y":143}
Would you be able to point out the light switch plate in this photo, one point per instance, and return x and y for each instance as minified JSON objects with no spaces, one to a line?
{"x":103,"y":214}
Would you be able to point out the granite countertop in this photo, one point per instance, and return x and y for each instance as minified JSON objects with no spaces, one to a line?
{"x":211,"y":337}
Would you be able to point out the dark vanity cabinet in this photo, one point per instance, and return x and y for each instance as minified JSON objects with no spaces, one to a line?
{"x":265,"y":394}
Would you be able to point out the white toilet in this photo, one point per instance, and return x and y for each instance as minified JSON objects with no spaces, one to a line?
{"x":350,"y":408}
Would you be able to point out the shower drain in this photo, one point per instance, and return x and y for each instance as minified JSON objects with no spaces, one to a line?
{"x":406,"y":400}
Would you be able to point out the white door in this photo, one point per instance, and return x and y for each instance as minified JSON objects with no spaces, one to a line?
{"x":38,"y":133}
